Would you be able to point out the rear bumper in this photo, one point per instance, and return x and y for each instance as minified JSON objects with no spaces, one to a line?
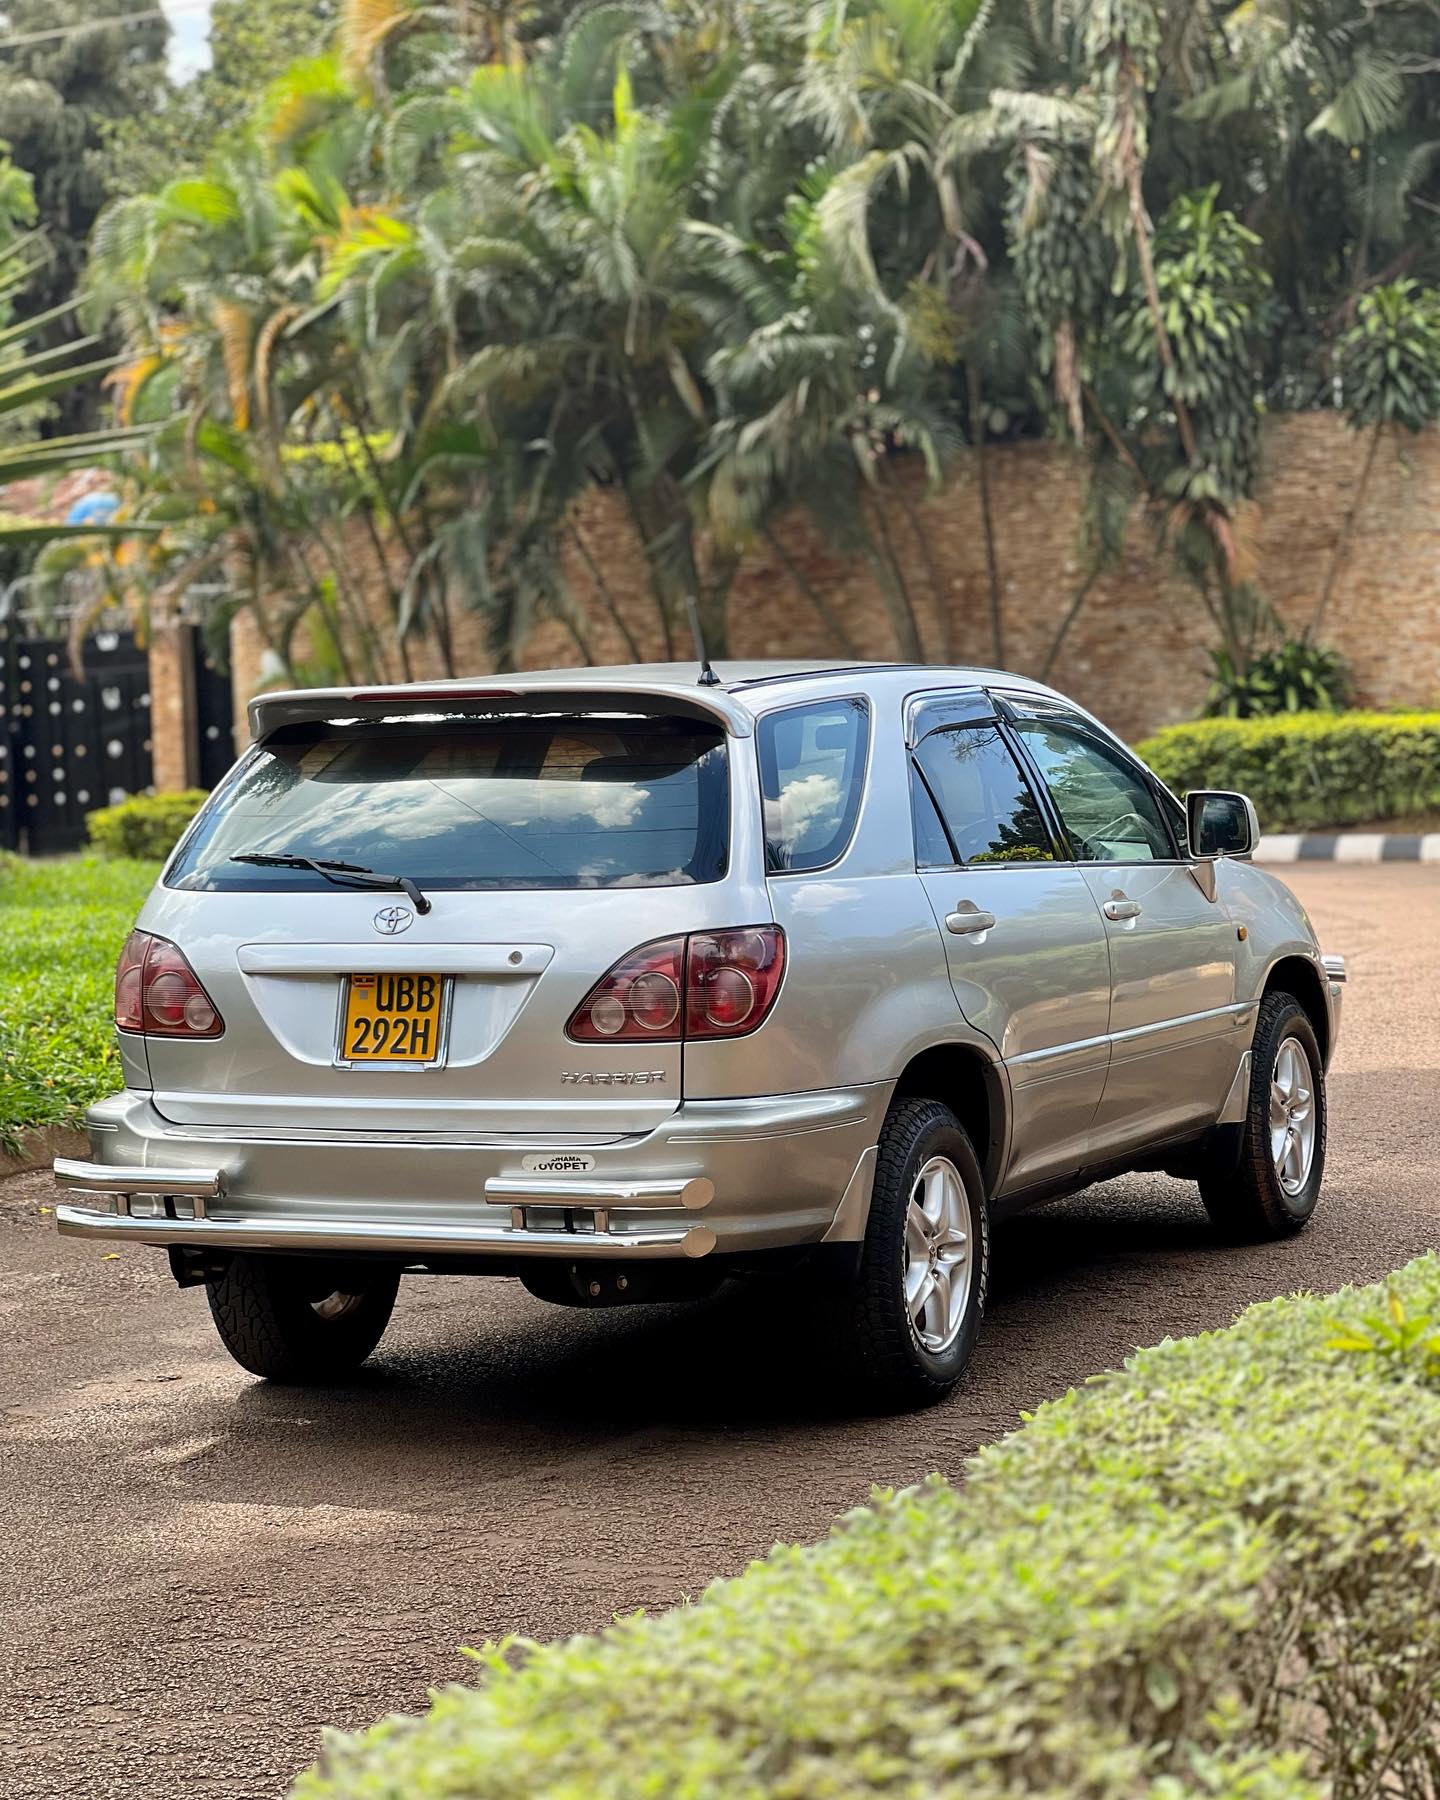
{"x":734,"y":1175}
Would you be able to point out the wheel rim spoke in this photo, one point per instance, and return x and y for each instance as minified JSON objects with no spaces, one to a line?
{"x":1292,"y":1116}
{"x":938,"y":1229}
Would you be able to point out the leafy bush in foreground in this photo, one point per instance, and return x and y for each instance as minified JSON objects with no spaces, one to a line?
{"x":147,"y":825}
{"x":1305,"y":770}
{"x":1211,"y":1573}
{"x":61,"y":927}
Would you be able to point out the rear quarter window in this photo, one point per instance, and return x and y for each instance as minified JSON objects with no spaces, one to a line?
{"x":812,"y":774}
{"x":530,"y":802}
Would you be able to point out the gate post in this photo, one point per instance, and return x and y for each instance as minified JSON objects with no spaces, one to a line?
{"x":174,"y":729}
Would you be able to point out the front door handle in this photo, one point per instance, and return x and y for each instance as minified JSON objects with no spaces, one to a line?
{"x":1121,"y":908}
{"x":968,"y":921}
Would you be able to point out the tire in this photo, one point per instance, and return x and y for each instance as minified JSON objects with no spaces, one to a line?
{"x":301,"y":1320}
{"x":904,"y":1358}
{"x":1252,"y":1200}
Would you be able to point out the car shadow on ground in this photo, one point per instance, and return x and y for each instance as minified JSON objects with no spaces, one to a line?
{"x":755,"y":1355}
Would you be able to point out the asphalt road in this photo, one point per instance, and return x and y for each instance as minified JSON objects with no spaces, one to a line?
{"x":200,"y":1572}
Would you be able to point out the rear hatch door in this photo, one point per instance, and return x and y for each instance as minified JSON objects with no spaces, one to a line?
{"x":547,"y":845}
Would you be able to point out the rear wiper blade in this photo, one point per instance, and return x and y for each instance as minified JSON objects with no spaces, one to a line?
{"x":341,"y":874}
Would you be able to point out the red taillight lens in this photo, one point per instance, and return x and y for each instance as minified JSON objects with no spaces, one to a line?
{"x":732,"y":979}
{"x":129,"y":974}
{"x":158,"y":993}
{"x":639,"y":1000}
{"x":712,"y":984}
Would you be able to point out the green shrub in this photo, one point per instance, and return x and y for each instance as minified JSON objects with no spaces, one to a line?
{"x":1306,"y":770}
{"x":1294,"y":677}
{"x":1215,"y":1572}
{"x":149,"y":825}
{"x":61,"y":927}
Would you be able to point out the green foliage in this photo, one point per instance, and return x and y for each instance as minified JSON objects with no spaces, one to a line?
{"x":1405,"y":1342}
{"x":59,"y":97}
{"x":446,"y":279}
{"x":1305,"y":771}
{"x":1211,"y":285}
{"x":1211,"y":1573}
{"x":252,"y":43}
{"x":62,"y":924}
{"x":147,"y":826}
{"x":1390,"y":357}
{"x":1294,"y":677}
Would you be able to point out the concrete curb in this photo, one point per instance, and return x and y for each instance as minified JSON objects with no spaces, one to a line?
{"x":40,"y":1147}
{"x":1349,"y":847}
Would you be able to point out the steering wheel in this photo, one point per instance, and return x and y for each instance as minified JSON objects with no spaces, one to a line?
{"x":1094,"y":845}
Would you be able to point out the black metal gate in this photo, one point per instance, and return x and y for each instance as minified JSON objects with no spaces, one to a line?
{"x":68,"y":746}
{"x":214,"y":717}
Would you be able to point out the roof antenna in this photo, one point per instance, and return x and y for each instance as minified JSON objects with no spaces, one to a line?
{"x":708,"y":677}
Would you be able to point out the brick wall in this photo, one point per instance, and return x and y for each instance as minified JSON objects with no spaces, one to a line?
{"x":1136,"y":654}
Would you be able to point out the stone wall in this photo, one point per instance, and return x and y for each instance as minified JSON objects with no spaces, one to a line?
{"x":1137,"y":652}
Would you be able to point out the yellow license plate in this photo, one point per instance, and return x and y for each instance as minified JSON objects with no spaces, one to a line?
{"x":393,"y":1018}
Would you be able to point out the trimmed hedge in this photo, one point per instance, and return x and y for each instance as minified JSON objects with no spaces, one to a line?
{"x":1306,"y":770}
{"x":1213,"y":1573}
{"x":147,"y":827}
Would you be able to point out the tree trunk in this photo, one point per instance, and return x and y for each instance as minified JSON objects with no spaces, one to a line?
{"x":822,"y":606}
{"x":602,"y":588}
{"x":922,"y":544}
{"x":897,"y":595}
{"x":1347,"y":533}
{"x":1072,"y":613}
{"x":713,"y":604}
{"x":987,"y":520}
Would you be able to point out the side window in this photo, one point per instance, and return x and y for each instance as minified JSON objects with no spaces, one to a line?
{"x":986,"y":807}
{"x":812,"y":771}
{"x":1108,"y":809}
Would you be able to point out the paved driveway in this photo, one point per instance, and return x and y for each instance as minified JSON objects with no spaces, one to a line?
{"x":199,"y":1572}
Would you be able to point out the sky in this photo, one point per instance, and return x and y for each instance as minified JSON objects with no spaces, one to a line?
{"x":189,"y":36}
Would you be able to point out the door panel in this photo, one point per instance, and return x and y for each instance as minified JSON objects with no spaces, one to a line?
{"x":1024,"y":941}
{"x":1176,"y":1034}
{"x":1173,"y":1027}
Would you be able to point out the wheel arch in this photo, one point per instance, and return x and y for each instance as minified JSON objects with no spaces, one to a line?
{"x":1297,"y":975}
{"x":973,"y":1086}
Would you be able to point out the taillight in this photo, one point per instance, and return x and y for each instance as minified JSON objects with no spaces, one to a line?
{"x":159,"y":994}
{"x":711,"y":984}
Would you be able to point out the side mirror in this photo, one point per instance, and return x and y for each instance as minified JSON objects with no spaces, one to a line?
{"x":1220,"y":824}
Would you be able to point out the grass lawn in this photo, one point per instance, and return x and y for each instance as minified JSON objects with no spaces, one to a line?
{"x":61,"y":927}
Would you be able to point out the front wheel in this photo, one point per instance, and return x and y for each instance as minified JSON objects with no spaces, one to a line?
{"x":301,"y":1319}
{"x":915,"y":1306}
{"x":1275,"y":1187}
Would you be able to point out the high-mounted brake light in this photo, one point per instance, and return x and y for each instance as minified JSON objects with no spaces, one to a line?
{"x":437,"y":693}
{"x":711,"y":984}
{"x":158,"y":994}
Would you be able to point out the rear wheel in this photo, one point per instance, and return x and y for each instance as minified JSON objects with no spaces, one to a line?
{"x":301,"y":1320}
{"x":1275,"y":1187}
{"x":914,"y":1309}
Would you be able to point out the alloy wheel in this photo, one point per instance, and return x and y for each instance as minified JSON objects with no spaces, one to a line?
{"x":938,"y":1268}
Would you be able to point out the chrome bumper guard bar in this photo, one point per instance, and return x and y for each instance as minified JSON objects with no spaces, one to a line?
{"x":581,"y":1228}
{"x":1334,"y":967}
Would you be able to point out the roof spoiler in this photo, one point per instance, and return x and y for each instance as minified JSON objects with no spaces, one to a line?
{"x":269,"y":713}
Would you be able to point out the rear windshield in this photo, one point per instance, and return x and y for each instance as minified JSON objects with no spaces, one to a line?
{"x":536,"y":802}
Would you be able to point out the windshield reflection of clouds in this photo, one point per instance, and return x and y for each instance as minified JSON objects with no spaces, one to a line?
{"x":355,"y":824}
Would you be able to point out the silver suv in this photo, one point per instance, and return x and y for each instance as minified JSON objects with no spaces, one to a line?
{"x":624,"y":981}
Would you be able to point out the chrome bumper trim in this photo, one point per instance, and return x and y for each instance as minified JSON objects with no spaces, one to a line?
{"x":1334,"y":967}
{"x":342,"y":1235}
{"x":692,"y":1192}
{"x":115,"y":1178}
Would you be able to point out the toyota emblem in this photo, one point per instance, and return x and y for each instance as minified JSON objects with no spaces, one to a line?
{"x":390,"y":921}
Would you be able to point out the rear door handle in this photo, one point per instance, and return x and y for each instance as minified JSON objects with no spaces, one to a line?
{"x":968,"y":921}
{"x":1121,"y":908}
